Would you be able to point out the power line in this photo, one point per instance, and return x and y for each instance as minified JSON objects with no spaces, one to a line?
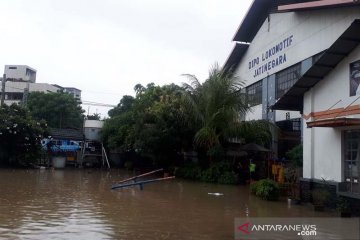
{"x":97,"y":104}
{"x":103,"y":93}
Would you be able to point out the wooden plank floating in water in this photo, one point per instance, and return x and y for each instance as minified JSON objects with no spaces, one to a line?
{"x":140,"y":183}
{"x":141,"y":175}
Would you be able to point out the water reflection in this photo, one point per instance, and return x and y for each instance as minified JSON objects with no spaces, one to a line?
{"x":78,"y":204}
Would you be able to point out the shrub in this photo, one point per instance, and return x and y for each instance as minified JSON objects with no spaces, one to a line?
{"x":296,"y":155}
{"x":343,"y":205}
{"x":266,"y":189}
{"x":320,"y":196}
{"x":20,"y":136}
{"x":228,"y":178}
{"x":209,"y":175}
{"x":216,"y":173}
{"x":192,"y":172}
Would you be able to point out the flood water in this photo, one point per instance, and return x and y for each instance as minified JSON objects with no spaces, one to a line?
{"x":78,"y":204}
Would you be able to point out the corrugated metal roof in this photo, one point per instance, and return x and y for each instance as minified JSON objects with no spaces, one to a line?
{"x":66,"y":134}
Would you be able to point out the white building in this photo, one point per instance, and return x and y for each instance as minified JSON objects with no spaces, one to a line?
{"x":14,"y":91}
{"x":20,"y":73}
{"x":92,"y":129}
{"x":22,"y":77}
{"x":76,"y":93}
{"x":300,"y":61}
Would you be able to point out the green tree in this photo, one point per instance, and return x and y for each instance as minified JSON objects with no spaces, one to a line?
{"x":59,"y":110}
{"x":160,"y":131}
{"x":256,"y":132}
{"x":216,"y":105}
{"x":20,"y":136}
{"x":126,"y":103}
{"x":296,"y":155}
{"x":95,"y":116}
{"x":139,"y":88}
{"x":151,"y":124}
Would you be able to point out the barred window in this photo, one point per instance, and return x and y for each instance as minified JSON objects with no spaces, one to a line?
{"x":286,"y":79}
{"x":254,"y":94}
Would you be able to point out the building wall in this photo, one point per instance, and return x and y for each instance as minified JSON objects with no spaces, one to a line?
{"x":323,"y":150}
{"x":93,"y":124}
{"x":92,"y":129}
{"x":305,"y":33}
{"x":33,"y":87}
{"x":18,"y":87}
{"x":255,"y":113}
{"x":74,"y":91}
{"x":311,"y":31}
{"x":302,"y":35}
{"x":20,"y":72}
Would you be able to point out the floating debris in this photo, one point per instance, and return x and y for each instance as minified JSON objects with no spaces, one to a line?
{"x":216,"y":194}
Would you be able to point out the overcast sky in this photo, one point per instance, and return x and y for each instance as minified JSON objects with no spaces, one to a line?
{"x":106,"y":47}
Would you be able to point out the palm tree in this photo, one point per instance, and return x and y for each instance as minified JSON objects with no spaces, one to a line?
{"x":216,"y":106}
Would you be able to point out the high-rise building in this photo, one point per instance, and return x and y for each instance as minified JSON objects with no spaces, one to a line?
{"x":21,"y":79}
{"x":20,"y":73}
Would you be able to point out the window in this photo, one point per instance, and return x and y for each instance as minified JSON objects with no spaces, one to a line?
{"x":290,"y":125}
{"x":12,"y":67}
{"x":285,"y":79}
{"x":14,"y":96}
{"x":254,"y":94}
{"x":352,"y":161}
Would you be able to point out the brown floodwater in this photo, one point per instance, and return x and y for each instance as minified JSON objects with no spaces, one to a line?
{"x":78,"y":204}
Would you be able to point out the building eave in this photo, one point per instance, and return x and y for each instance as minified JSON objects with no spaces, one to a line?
{"x":317,"y":5}
{"x":235,"y":56}
{"x":254,"y":18}
{"x":334,"y":123}
{"x":344,"y":45}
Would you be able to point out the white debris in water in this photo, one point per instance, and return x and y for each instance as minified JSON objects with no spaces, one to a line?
{"x":216,"y":194}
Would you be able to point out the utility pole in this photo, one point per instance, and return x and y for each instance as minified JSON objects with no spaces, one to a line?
{"x":3,"y":90}
{"x":26,"y":94}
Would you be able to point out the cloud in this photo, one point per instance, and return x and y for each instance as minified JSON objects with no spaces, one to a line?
{"x":108,"y":46}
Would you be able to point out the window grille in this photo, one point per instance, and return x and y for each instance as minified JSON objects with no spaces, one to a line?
{"x":254,"y":94}
{"x":285,"y":79}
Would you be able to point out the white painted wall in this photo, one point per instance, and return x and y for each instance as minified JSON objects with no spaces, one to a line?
{"x":20,"y":72}
{"x":92,"y":129}
{"x":33,"y":87}
{"x":93,"y":124}
{"x":254,"y":113}
{"x":308,"y":136}
{"x":312,"y":31}
{"x":323,"y":146}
